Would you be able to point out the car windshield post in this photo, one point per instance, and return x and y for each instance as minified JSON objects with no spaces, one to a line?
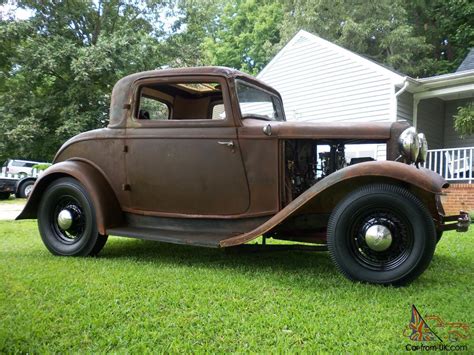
{"x":255,"y":102}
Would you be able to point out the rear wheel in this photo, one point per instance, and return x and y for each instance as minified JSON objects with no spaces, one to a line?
{"x":4,"y":195}
{"x":381,"y":234}
{"x":67,"y":220}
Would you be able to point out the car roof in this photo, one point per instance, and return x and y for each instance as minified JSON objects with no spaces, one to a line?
{"x":121,"y":93}
{"x":24,"y":161}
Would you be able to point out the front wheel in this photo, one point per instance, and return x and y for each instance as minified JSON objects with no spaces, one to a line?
{"x":67,"y":220}
{"x":381,"y":234}
{"x":25,"y":189}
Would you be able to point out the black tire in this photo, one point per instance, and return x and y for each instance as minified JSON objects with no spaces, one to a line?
{"x":439,"y":234}
{"x":25,"y":189}
{"x":4,"y":195}
{"x":82,"y":237}
{"x":411,"y":235}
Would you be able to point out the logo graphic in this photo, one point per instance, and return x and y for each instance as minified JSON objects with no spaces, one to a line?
{"x":419,"y":330}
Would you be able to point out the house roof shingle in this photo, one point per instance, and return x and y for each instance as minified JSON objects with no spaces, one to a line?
{"x":468,"y":62}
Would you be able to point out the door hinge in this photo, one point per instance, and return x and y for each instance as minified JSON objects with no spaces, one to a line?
{"x":126,"y":187}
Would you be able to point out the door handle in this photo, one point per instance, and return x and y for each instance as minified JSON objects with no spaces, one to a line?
{"x":229,"y":144}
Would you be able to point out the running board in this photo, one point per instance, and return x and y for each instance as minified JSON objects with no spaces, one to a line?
{"x":202,"y":239}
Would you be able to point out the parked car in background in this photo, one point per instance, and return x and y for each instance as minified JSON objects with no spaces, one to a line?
{"x":20,"y":187}
{"x":20,"y":167}
{"x":205,"y":157}
{"x":19,"y":176}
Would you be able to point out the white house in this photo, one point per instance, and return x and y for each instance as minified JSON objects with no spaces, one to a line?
{"x":321,"y":81}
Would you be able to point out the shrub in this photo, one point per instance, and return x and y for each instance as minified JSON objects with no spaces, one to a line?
{"x":41,"y":166}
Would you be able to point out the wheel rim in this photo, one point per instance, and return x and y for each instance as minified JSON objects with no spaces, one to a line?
{"x":68,"y":220}
{"x":28,"y":190}
{"x":381,"y":239}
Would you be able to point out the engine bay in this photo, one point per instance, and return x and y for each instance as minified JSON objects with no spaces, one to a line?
{"x":309,"y":161}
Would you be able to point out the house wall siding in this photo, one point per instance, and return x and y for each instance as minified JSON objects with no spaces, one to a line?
{"x":431,"y":121}
{"x":318,"y":83}
{"x":451,"y":138}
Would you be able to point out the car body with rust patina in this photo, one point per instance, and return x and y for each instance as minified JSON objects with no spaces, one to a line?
{"x":204,"y":156}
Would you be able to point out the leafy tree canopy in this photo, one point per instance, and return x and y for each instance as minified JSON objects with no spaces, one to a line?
{"x":58,"y":69}
{"x":246,"y":36}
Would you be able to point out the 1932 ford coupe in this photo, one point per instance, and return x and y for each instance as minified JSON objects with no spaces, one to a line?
{"x":204,"y":156}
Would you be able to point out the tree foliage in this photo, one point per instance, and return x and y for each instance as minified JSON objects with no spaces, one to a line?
{"x":377,"y":29}
{"x":58,"y":69}
{"x":246,"y":36}
{"x":448,"y":26}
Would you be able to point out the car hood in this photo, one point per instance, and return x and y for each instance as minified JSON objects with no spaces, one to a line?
{"x":376,"y":131}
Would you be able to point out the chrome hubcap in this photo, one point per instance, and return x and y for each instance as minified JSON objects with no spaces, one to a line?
{"x":65,"y":219}
{"x":28,"y":190}
{"x":378,"y":237}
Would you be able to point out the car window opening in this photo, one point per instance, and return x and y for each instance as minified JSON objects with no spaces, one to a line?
{"x":181,"y":101}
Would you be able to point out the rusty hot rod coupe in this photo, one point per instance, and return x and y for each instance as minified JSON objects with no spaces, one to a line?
{"x":204,"y":156}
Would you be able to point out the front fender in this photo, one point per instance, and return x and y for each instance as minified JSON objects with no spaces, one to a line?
{"x":107,"y":207}
{"x":357,"y":175}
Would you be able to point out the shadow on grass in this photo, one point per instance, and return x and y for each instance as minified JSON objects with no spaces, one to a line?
{"x":316,"y":266}
{"x":159,"y":253}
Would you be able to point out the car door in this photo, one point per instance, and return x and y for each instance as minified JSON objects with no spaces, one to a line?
{"x":185,"y":167}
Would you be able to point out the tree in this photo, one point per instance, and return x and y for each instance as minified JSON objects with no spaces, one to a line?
{"x":58,"y":75}
{"x":194,"y":22}
{"x":448,"y":26}
{"x":246,"y":36}
{"x":379,"y":30}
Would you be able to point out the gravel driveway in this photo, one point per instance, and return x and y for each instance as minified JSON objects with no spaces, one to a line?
{"x":9,"y":210}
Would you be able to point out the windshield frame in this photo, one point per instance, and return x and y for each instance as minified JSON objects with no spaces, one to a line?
{"x":276,"y":101}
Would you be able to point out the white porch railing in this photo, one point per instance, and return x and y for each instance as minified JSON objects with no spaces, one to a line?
{"x":454,"y":164}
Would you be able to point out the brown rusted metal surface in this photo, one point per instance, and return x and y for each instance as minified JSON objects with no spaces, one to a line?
{"x":106,"y":206}
{"x":385,"y":169}
{"x":228,"y":169}
{"x":375,"y":132}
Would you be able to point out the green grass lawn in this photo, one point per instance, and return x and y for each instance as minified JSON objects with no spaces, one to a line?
{"x":13,"y":200}
{"x":147,"y":296}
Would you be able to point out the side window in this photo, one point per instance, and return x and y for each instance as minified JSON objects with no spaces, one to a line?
{"x":152,"y":109}
{"x":218,"y":112}
{"x":181,"y":101}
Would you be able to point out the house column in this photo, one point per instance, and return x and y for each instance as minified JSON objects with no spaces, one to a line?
{"x":416,"y":101}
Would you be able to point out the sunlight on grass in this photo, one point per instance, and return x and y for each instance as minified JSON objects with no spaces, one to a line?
{"x":12,"y":200}
{"x":147,"y":296}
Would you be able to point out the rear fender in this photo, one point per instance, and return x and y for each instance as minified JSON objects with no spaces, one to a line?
{"x":323,"y":196}
{"x":107,"y":207}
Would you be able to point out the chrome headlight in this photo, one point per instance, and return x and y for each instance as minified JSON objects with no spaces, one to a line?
{"x":409,"y":144}
{"x":423,"y":148}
